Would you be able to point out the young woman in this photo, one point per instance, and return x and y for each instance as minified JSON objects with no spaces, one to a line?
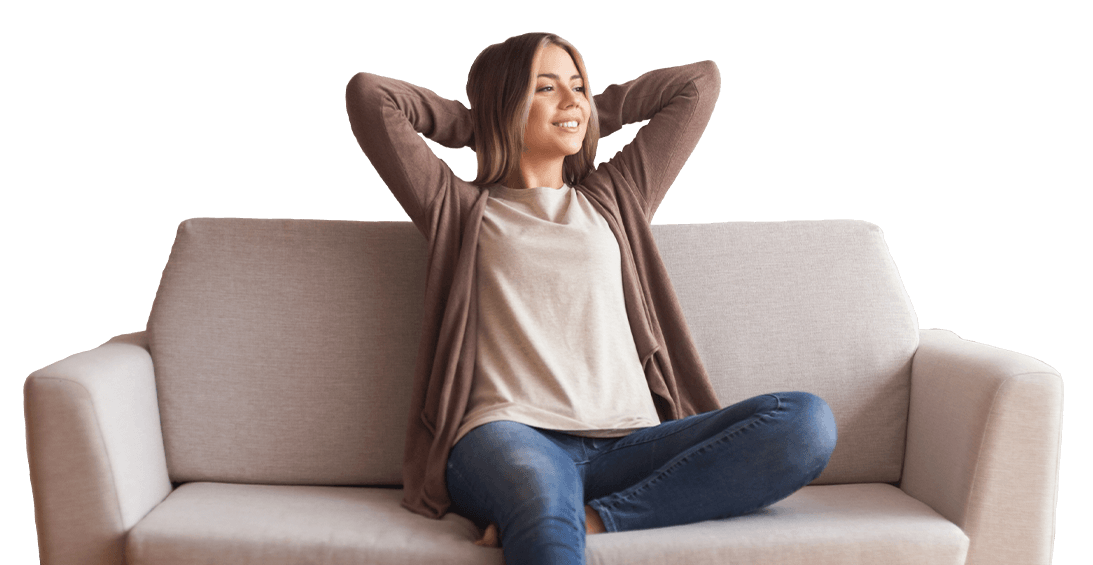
{"x":557,"y":390}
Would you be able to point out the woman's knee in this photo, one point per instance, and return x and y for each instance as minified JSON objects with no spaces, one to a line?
{"x":544,"y":486}
{"x":510,"y":473}
{"x":545,"y":510}
{"x":813,"y":429}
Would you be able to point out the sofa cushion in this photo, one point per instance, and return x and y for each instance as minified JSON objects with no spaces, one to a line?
{"x":284,"y":349}
{"x":812,"y":306}
{"x":272,"y":525}
{"x":819,"y":525}
{"x":281,"y":524}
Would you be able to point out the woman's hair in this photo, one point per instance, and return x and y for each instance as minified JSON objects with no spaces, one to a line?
{"x":500,"y":87}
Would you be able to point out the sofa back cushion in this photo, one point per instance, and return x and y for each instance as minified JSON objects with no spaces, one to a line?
{"x":284,"y":349}
{"x":816,"y":306}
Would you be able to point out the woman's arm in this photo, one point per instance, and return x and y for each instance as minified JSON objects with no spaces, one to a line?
{"x":678,"y":102}
{"x":387,"y":115}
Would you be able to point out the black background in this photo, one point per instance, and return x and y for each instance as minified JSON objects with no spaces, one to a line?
{"x":951,"y":143}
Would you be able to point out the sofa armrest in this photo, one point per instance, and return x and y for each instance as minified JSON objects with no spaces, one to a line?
{"x":137,"y":338}
{"x":983,"y":439}
{"x":97,"y":464}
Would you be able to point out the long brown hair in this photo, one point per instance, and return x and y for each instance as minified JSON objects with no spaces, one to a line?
{"x":499,"y":87}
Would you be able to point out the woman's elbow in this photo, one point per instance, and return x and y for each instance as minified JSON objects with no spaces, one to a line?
{"x":710,"y":78}
{"x":714,"y":72}
{"x":364,"y":100}
{"x":359,"y":89}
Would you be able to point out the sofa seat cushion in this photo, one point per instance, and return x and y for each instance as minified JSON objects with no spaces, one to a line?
{"x":229,"y":524}
{"x":243,"y":524}
{"x":859,"y":524}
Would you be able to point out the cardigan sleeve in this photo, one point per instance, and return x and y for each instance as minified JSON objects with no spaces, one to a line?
{"x":387,"y":116}
{"x":678,"y":103}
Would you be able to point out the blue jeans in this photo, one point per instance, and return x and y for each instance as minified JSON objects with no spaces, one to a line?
{"x":534,"y":483}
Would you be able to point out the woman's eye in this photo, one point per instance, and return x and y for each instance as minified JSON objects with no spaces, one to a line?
{"x":550,"y":88}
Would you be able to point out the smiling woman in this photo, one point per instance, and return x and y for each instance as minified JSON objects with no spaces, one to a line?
{"x":557,"y":391}
{"x":503,"y":106}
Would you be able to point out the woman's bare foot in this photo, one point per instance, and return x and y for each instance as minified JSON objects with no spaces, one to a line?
{"x":592,"y":522}
{"x":490,"y":538}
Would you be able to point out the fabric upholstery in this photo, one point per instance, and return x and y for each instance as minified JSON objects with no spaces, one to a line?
{"x":861,"y":524}
{"x":983,"y":445}
{"x":272,"y":525}
{"x":95,"y":451}
{"x":284,"y":349}
{"x":811,"y":306}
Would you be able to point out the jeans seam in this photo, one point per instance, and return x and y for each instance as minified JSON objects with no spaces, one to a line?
{"x":612,"y":500}
{"x":605,"y":515}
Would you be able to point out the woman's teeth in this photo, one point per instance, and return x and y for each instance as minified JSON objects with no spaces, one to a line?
{"x":570,"y":124}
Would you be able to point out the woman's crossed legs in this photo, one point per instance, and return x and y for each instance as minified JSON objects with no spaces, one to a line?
{"x":534,"y":484}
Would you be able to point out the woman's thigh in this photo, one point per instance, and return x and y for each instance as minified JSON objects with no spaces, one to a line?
{"x":513,"y":475}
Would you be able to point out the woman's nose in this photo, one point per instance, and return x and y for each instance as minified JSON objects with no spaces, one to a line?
{"x":571,"y":100}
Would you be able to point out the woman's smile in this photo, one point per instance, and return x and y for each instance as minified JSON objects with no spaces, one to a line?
{"x":569,"y":126}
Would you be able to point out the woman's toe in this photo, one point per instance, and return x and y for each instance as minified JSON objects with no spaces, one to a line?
{"x":490,"y":538}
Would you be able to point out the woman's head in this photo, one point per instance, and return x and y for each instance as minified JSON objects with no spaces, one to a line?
{"x":502,"y":92}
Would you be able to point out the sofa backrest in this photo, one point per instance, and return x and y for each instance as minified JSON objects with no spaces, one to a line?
{"x":816,"y":306}
{"x":284,"y":349}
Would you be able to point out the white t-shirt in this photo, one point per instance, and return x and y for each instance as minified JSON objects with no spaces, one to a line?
{"x":554,"y":349}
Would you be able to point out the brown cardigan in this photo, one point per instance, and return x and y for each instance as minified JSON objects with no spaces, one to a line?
{"x":387,"y":115}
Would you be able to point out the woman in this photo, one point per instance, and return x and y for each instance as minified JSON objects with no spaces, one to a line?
{"x":557,"y":390}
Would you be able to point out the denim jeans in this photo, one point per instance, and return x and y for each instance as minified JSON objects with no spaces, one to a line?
{"x":534,"y":483}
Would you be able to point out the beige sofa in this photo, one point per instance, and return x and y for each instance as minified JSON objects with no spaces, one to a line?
{"x":260,"y":417}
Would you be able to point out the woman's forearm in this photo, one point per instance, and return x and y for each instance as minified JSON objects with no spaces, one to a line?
{"x":447,"y":122}
{"x":678,"y":103}
{"x":387,"y":116}
{"x":644,"y":97}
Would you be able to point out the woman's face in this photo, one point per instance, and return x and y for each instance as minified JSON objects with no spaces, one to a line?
{"x":559,"y":110}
